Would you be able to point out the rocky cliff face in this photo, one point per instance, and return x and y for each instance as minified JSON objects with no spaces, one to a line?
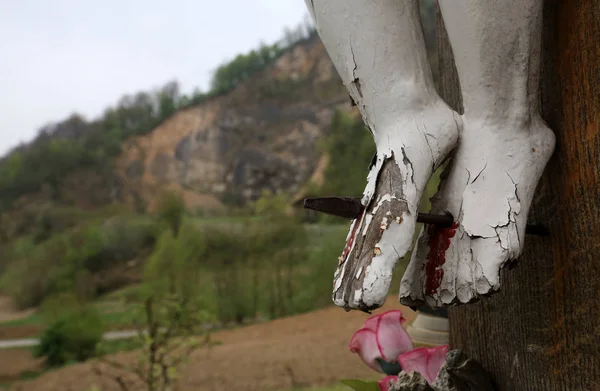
{"x":262,"y":135}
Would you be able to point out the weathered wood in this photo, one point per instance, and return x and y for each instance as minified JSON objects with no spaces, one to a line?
{"x":542,"y":330}
{"x":449,"y":85}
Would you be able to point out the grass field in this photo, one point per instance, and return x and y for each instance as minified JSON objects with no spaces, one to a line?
{"x":116,"y":314}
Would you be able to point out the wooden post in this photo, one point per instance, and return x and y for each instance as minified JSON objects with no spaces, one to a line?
{"x":448,"y":85}
{"x":542,"y":330}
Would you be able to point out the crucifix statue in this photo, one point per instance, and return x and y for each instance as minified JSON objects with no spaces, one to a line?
{"x":494,"y":153}
{"x":516,"y":61}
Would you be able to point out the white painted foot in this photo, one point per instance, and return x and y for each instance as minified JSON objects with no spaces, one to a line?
{"x":406,"y":159}
{"x":503,"y":150}
{"x":489,"y":190}
{"x":378,"y":49}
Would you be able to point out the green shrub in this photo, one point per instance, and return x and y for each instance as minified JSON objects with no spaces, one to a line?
{"x":54,"y":265}
{"x":269,"y":204}
{"x":173,"y":262}
{"x":171,"y":210}
{"x":71,"y":337}
{"x":350,"y":147}
{"x":52,"y":219}
{"x":254,"y":266}
{"x":59,"y":306}
{"x":28,"y":280}
{"x":117,"y":239}
{"x":326,"y":246}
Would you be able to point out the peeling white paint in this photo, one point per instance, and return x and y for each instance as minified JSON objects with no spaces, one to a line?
{"x":394,"y":244}
{"x":355,"y":221}
{"x":384,"y":224}
{"x":368,"y":219}
{"x":372,"y":179}
{"x":358,"y":273}
{"x":503,"y":150}
{"x":337,"y":281}
{"x":378,"y":49}
{"x":384,"y":198}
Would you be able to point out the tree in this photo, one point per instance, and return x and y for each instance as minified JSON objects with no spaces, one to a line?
{"x":171,"y":210}
{"x":541,"y":331}
{"x":171,"y":318}
{"x":168,"y":99}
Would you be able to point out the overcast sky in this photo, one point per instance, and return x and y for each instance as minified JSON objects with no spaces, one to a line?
{"x":63,"y":56}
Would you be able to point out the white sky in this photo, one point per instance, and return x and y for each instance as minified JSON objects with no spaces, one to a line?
{"x":63,"y":56}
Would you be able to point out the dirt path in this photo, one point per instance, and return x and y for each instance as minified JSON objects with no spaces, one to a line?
{"x":299,"y":351}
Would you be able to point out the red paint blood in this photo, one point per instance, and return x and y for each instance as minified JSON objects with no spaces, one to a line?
{"x":350,"y":241}
{"x":439,"y":242}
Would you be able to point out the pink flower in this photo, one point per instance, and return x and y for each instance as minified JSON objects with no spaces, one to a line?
{"x":384,"y":384}
{"x":426,"y":361}
{"x":381,"y":340}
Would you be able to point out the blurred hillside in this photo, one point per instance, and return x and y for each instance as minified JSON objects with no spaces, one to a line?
{"x":83,"y":205}
{"x":257,"y":128}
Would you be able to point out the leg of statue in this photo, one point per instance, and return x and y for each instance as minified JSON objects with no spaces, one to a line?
{"x":379,"y":51}
{"x":504,"y":147}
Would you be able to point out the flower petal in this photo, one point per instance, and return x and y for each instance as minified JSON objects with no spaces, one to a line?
{"x":364,"y":342}
{"x":415,"y":361}
{"x":392,"y":338}
{"x":384,"y":384}
{"x":437,"y":358}
{"x":426,"y":361}
{"x":372,"y":322}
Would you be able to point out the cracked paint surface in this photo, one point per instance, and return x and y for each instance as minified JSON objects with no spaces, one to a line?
{"x":378,"y":49}
{"x":504,"y":147}
{"x":414,"y":131}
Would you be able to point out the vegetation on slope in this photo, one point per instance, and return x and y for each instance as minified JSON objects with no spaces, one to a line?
{"x":60,"y":248}
{"x":69,"y":250}
{"x":262,"y":265}
{"x":350,"y":148}
{"x":76,"y":143}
